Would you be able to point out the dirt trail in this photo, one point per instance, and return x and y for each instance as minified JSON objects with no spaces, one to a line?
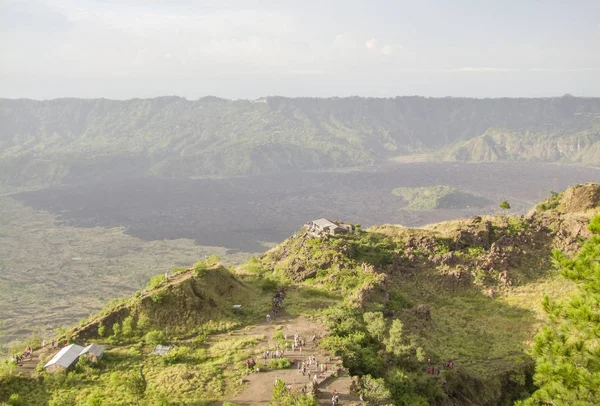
{"x":29,"y":365}
{"x":259,"y":389}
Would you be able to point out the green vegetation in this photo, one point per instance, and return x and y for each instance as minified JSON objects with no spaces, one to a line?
{"x":279,"y":363}
{"x":282,"y":397}
{"x":551,"y":203}
{"x":567,"y":350}
{"x":505,"y":205}
{"x":49,"y":142}
{"x":437,"y":197}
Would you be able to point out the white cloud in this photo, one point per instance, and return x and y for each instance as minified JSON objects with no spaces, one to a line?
{"x":371,"y":43}
{"x":565,"y":69}
{"x":484,"y":69}
{"x":386,"y":49}
{"x":374,"y":45}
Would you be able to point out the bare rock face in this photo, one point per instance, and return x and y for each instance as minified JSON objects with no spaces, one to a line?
{"x":477,"y":234}
{"x":580,"y":198}
{"x":423,"y":243}
{"x":448,"y":259}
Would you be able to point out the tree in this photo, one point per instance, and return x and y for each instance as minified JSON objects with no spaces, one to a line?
{"x":567,"y":350}
{"x":505,"y":205}
{"x":375,"y":324}
{"x":136,"y":385}
{"x":128,"y":326}
{"x":374,"y":390}
{"x":394,"y":343}
{"x":155,"y":337}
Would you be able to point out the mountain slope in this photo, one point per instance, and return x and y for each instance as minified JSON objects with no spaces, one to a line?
{"x":384,"y":301}
{"x":72,"y":140}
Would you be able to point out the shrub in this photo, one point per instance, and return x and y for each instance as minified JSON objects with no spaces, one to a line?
{"x":101,"y":330}
{"x":279,"y":363}
{"x":200,"y":269}
{"x":128,"y":326}
{"x":63,"y":399}
{"x":269,"y":285}
{"x":213,"y":260}
{"x":175,"y":356}
{"x":155,"y":337}
{"x":254,"y":266}
{"x":158,"y":297}
{"x":155,"y":282}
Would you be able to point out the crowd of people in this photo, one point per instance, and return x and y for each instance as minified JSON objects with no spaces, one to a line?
{"x":310,"y":367}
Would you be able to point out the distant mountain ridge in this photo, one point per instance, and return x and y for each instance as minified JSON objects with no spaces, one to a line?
{"x":70,"y":140}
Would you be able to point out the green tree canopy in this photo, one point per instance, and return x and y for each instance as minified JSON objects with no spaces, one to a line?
{"x":505,"y":205}
{"x":375,"y":324}
{"x":567,"y":350}
{"x":395,"y":342}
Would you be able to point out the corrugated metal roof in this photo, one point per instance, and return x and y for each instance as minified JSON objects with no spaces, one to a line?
{"x":323,"y":222}
{"x":66,"y":356}
{"x":95,"y":349}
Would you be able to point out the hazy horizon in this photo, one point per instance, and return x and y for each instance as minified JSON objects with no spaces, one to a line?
{"x":291,"y":97}
{"x":234,"y":50}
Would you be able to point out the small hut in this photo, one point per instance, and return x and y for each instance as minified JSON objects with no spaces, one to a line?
{"x":64,"y":359}
{"x":94,"y":352}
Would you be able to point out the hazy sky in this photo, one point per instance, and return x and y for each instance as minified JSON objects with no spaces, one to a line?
{"x":247,"y":49}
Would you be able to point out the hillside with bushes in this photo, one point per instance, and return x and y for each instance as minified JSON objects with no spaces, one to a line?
{"x":440,"y":315}
{"x":74,"y":140}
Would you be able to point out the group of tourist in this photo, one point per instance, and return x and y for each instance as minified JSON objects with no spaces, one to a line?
{"x":277,"y":303}
{"x":250,"y":364}
{"x":432,"y":370}
{"x":27,"y":354}
{"x":309,"y":367}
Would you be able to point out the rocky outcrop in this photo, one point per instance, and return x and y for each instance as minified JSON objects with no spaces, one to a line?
{"x":580,"y":198}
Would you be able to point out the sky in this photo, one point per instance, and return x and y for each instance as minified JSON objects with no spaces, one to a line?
{"x":248,"y":49}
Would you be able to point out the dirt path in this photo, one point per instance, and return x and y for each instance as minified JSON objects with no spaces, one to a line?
{"x":29,"y":365}
{"x":259,"y":389}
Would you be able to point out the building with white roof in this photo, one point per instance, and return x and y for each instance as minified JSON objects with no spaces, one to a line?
{"x":64,"y":359}
{"x":93,"y":351}
{"x":323,"y":226}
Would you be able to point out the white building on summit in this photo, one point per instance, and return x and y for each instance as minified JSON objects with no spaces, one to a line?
{"x":323,"y":226}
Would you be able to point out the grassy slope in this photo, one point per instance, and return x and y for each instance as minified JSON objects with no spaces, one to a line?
{"x":37,"y":270}
{"x":191,"y":309}
{"x":487,"y":336}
